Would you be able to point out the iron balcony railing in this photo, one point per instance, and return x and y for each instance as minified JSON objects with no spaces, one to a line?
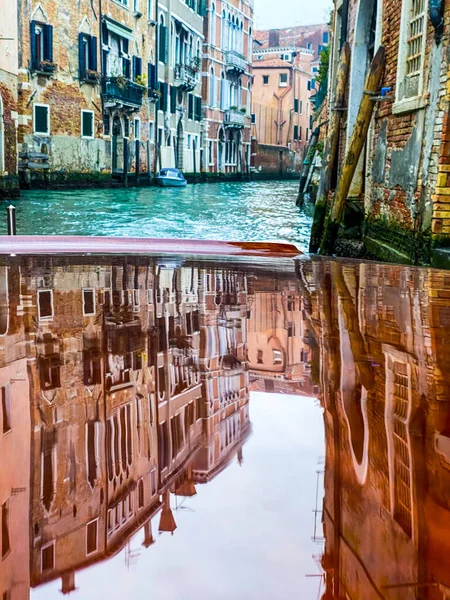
{"x":186,"y":76}
{"x":234,"y":118}
{"x":235,"y":61}
{"x":121,"y":90}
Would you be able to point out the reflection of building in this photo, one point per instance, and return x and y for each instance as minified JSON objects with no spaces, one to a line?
{"x":386,"y":508}
{"x":15,"y":436}
{"x":278,"y":340}
{"x":136,"y":376}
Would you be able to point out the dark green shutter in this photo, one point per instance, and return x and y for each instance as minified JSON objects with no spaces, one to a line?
{"x":93,"y":53}
{"x":190,"y":106}
{"x":151,"y":72}
{"x":296,"y":105}
{"x":48,"y":43}
{"x":295,"y":132}
{"x":81,"y":57}
{"x":202,"y":7}
{"x":41,"y":119}
{"x":173,"y":99}
{"x":33,"y":48}
{"x":87,"y":124}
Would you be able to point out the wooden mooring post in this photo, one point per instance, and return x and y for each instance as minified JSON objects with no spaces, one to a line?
{"x":331,"y":149}
{"x":357,"y":141}
{"x":307,"y":164}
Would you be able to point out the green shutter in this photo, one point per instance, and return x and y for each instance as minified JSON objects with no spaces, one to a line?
{"x":41,"y":119}
{"x":87,"y":124}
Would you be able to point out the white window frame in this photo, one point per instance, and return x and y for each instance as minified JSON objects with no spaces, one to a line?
{"x":87,"y":137}
{"x":52,"y":543}
{"x":85,"y":314}
{"x":283,"y":83}
{"x":50,"y":318}
{"x":96,"y":540}
{"x":414,"y":102}
{"x":137,"y":138}
{"x":47,"y":106}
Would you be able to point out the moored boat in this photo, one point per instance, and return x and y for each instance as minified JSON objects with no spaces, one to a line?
{"x":171,"y":178}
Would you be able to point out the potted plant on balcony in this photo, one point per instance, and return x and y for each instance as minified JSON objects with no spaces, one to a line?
{"x":46,"y":66}
{"x":91,"y":75}
{"x":122,"y":82}
{"x":141,"y":80}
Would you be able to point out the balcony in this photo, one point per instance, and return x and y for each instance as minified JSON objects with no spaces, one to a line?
{"x":186,"y":76}
{"x":118,"y":91}
{"x":235,"y":62}
{"x":234,"y":118}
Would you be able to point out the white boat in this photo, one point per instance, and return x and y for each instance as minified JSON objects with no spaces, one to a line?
{"x":171,"y":178}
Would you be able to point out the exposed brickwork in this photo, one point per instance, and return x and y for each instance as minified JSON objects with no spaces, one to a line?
{"x":408,"y":148}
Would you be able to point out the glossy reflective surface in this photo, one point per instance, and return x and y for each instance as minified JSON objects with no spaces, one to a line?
{"x":172,"y":428}
{"x":256,"y":211}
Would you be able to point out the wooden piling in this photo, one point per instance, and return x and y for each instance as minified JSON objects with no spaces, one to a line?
{"x":307,"y":165}
{"x":331,"y":149}
{"x":357,"y":141}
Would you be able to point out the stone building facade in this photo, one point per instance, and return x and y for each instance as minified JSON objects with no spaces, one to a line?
{"x":284,"y":66}
{"x":9,"y":185}
{"x":227,"y":85}
{"x":84,"y":102}
{"x":401,"y":180}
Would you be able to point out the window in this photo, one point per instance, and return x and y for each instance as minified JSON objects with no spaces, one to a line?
{"x":265,"y":79}
{"x":140,"y":493}
{"x":163,"y":42}
{"x":213,"y":24}
{"x":41,"y":47}
{"x":137,"y":68}
{"x":307,"y":134}
{"x":87,"y":57}
{"x":253,"y":118}
{"x":260,"y":357}
{"x":296,"y":105}
{"x":87,"y":124}
{"x":137,"y":129}
{"x":6,"y":542}
{"x":41,"y":119}
{"x":295,"y":132}
{"x":48,"y":557}
{"x":49,"y":367}
{"x":151,"y":131}
{"x":277,"y":360}
{"x":89,"y":303}
{"x":283,"y":80}
{"x":190,"y":106}
{"x":91,"y":537}
{"x":211,"y":152}
{"x":412,"y":49}
{"x":153,"y":479}
{"x":6,"y":410}
{"x":301,"y":107}
{"x":45,"y":304}
{"x":189,"y":138}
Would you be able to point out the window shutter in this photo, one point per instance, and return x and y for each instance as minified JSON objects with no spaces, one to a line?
{"x":127,"y":64}
{"x":295,"y":132}
{"x":202,"y":7}
{"x":190,"y":106}
{"x":138,"y":66}
{"x":166,"y":43}
{"x":163,"y":42}
{"x":88,"y":124}
{"x":133,"y":58}
{"x":151,"y":71}
{"x":93,"y":53}
{"x":48,"y":43}
{"x":33,"y":49}
{"x":198,"y":108}
{"x":105,"y":34}
{"x":41,"y":119}
{"x":296,"y":105}
{"x":173,"y":99}
{"x":81,"y":57}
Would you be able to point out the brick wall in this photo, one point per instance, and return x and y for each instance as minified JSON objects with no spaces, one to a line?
{"x":274,"y":160}
{"x":8,"y":94}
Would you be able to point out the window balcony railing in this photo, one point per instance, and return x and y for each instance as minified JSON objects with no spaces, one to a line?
{"x":234,"y":118}
{"x":235,"y":62}
{"x":119,"y":90}
{"x":186,"y":76}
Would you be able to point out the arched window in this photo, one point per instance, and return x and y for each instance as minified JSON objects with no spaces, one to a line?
{"x":250,"y":45}
{"x":233,"y":34}
{"x":213,"y":24}
{"x":223,"y":92}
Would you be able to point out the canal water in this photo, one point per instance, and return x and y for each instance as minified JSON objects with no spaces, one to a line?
{"x":207,"y":429}
{"x":256,"y":211}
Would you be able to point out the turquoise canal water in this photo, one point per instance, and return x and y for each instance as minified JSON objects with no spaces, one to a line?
{"x":253,"y":211}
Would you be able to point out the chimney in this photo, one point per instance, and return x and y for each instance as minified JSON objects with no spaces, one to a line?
{"x":274,"y":38}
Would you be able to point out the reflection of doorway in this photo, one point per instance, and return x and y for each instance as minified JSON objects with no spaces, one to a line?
{"x":117,"y":146}
{"x":180,"y":146}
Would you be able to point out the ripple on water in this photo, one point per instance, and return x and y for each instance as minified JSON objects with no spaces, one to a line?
{"x":257,"y":211}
